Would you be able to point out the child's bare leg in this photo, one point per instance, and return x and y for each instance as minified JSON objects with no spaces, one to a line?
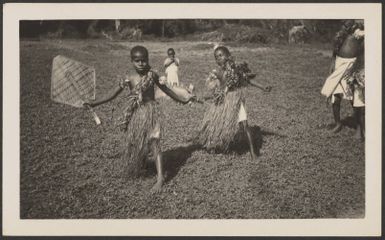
{"x":249,"y":138}
{"x":159,"y":165}
{"x":336,"y":113}
{"x":362,"y":121}
{"x":359,"y":116}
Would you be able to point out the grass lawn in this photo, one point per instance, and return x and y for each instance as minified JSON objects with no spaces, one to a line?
{"x":303,"y":171}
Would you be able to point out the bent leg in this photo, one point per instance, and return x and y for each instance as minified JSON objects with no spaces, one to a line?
{"x":359,"y":115}
{"x":336,"y":113}
{"x":249,"y":138}
{"x":156,"y":152}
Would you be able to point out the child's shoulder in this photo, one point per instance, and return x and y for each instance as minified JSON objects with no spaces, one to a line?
{"x":133,"y":76}
{"x":153,"y":73}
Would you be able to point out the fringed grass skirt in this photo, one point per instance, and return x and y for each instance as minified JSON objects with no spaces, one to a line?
{"x":142,"y":132}
{"x":220,"y":123}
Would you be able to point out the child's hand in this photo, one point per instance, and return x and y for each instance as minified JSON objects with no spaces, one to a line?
{"x":331,"y":69}
{"x":359,"y":34}
{"x":87,"y":105}
{"x":192,"y":98}
{"x":163,"y":80}
{"x":267,"y":89}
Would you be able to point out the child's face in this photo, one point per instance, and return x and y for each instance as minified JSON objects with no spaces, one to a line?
{"x":140,"y":63}
{"x":221,"y":57}
{"x":171,"y":54}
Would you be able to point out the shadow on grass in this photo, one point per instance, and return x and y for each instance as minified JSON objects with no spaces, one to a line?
{"x":174,"y":159}
{"x":349,"y":122}
{"x":241,"y":144}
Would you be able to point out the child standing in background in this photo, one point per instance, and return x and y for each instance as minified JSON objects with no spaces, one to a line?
{"x":171,"y":65}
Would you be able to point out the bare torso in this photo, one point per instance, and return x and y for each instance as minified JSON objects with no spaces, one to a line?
{"x":149,"y":94}
{"x":351,"y":47}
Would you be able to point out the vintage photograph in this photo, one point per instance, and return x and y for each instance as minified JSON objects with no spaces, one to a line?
{"x":192,"y":118}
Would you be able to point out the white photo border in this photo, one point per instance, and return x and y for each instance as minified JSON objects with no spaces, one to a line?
{"x":370,"y":225}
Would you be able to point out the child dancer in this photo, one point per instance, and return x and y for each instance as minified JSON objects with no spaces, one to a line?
{"x":221,"y":120}
{"x":142,"y":130}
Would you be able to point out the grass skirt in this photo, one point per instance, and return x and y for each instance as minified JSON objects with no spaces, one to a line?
{"x":220,"y":123}
{"x":143,"y":130}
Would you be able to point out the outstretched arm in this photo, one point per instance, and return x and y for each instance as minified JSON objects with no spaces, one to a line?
{"x":252,"y":82}
{"x":260,"y":86}
{"x":111,"y":95}
{"x":332,"y":63}
{"x":178,"y":94}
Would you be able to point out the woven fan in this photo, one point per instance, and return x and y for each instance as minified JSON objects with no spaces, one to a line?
{"x":72,"y":83}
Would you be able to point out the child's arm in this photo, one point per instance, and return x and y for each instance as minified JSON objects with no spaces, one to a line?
{"x":332,"y":64}
{"x":260,"y":86}
{"x":177,"y":93}
{"x":111,"y":95}
{"x":176,"y":60}
{"x":168,"y":62}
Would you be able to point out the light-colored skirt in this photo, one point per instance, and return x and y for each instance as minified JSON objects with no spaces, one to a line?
{"x":336,"y":83}
{"x":172,"y":75}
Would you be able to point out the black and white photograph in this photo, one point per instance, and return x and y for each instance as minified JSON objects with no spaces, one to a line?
{"x":197,"y":118}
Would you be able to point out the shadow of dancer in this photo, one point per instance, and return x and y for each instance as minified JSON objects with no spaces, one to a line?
{"x":349,"y":122}
{"x":173,"y":159}
{"x":240,"y":144}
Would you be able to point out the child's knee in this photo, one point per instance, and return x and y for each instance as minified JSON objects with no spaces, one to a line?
{"x":243,"y":125}
{"x":155,"y":146}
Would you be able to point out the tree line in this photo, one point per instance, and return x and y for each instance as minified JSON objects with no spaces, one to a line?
{"x":322,"y":30}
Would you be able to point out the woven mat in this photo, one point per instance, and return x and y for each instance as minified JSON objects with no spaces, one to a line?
{"x":72,"y":82}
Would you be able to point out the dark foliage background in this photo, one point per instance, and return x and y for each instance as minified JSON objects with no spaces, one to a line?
{"x":240,"y":30}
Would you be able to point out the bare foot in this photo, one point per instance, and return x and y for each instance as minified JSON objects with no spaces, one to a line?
{"x":359,"y":135}
{"x":337,"y":128}
{"x":158,"y":186}
{"x":253,"y":157}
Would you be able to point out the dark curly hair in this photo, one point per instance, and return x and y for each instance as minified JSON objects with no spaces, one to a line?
{"x":139,"y":50}
{"x":223,"y":49}
{"x":170,"y":50}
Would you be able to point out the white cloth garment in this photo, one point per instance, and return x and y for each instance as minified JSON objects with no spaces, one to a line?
{"x":242,"y":115}
{"x":336,"y":82}
{"x":172,"y":72}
